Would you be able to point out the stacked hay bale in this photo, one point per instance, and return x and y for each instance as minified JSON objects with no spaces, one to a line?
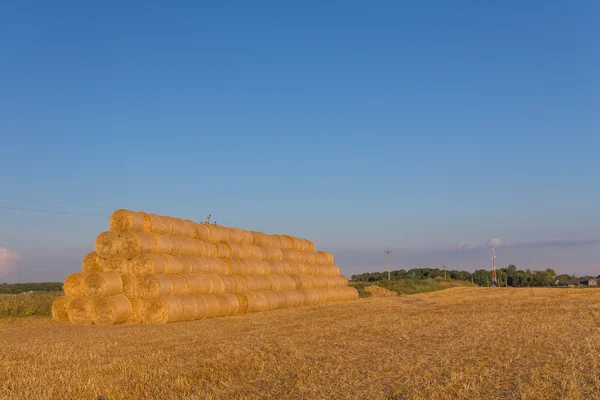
{"x":157,"y":269}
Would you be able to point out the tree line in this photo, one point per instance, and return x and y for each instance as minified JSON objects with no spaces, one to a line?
{"x":16,"y":288}
{"x":509,"y":276}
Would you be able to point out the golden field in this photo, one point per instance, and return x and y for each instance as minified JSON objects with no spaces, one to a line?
{"x":466,"y":343}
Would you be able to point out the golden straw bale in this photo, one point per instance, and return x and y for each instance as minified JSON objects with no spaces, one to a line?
{"x":163,"y":309}
{"x":138,"y":308}
{"x":167,"y":226}
{"x":291,"y":268}
{"x":117,"y":263}
{"x":177,"y":228}
{"x":201,"y":307}
{"x":229,"y":283}
{"x":320,"y":258}
{"x":212,"y":305}
{"x":190,"y":247}
{"x":202,"y":265}
{"x":107,"y":244}
{"x":282,"y":300}
{"x":247,"y":237}
{"x":210,"y":249}
{"x":189,"y":308}
{"x":189,"y":229}
{"x":350,"y":292}
{"x":311,"y":269}
{"x":203,"y":232}
{"x":277,"y":267}
{"x":179,"y":285}
{"x":125,"y":220}
{"x":176,"y":245}
{"x":154,"y":286}
{"x":236,"y":251}
{"x":148,"y":263}
{"x":248,"y":267}
{"x":339,"y":281}
{"x":258,"y":283}
{"x":220,"y":266}
{"x":274,"y":254}
{"x":295,"y":298}
{"x":73,"y":285}
{"x":301,"y":281}
{"x":154,"y":224}
{"x":275,"y":282}
{"x":290,"y":255}
{"x":186,"y":264}
{"x":264,"y":253}
{"x":218,"y":233}
{"x":198,"y":284}
{"x":243,"y":304}
{"x":286,"y":282}
{"x":241,"y":283}
{"x":134,"y":243}
{"x":60,"y":308}
{"x":285,"y":242}
{"x":310,"y":257}
{"x":258,"y":238}
{"x":271,"y":300}
{"x":228,"y":305}
{"x":263,"y":268}
{"x":92,"y":262}
{"x":102,"y":284}
{"x":172,"y":264}
{"x":112,"y":310}
{"x":311,"y":246}
{"x":301,"y":268}
{"x":80,"y":311}
{"x":235,"y":235}
{"x":223,"y":250}
{"x":216,"y":284}
{"x":334,"y":270}
{"x":255,"y":300}
{"x":162,"y":243}
{"x":130,"y":285}
{"x":198,"y":248}
{"x":325,"y":257}
{"x":235,"y":266}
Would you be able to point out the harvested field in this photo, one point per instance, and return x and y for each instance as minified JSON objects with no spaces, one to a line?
{"x":376,"y":291}
{"x":465,"y":343}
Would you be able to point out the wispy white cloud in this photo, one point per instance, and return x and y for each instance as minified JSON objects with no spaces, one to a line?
{"x":8,"y":261}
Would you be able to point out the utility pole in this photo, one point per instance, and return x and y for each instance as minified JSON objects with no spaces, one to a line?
{"x":388,"y":252}
{"x":444,"y":271}
{"x":494,"y":279}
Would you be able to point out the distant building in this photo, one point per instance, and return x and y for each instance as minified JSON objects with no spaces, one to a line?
{"x":583,"y":282}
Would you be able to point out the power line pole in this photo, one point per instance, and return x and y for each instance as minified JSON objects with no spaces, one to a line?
{"x":388,"y":252}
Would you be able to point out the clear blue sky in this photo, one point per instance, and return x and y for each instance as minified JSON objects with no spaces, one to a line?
{"x":360,"y":125}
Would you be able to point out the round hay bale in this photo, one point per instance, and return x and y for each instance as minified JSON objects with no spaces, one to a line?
{"x":60,"y":308}
{"x":154,"y":286}
{"x":112,"y":310}
{"x":203,"y":232}
{"x":235,"y":235}
{"x":258,"y":283}
{"x":274,"y":254}
{"x":286,"y":282}
{"x":217,"y":286}
{"x":102,"y":284}
{"x":310,"y":257}
{"x":201,"y":307}
{"x":162,"y":244}
{"x":189,"y":308}
{"x":177,"y":245}
{"x":285,"y":242}
{"x":223,"y":250}
{"x":240,"y":282}
{"x":210,"y":249}
{"x":295,"y":298}
{"x":334,"y":270}
{"x":107,"y":244}
{"x":153,"y":224}
{"x":272,"y":300}
{"x":189,"y":229}
{"x":220,"y":266}
{"x":81,"y":310}
{"x":200,"y":265}
{"x":248,"y":267}
{"x":291,"y":268}
{"x":324,"y":257}
{"x":117,"y":263}
{"x":247,"y":237}
{"x":148,"y":263}
{"x":311,"y":269}
{"x":277,"y":267}
{"x":92,"y":262}
{"x":138,"y":309}
{"x":301,"y":268}
{"x":282,"y":300}
{"x":252,"y":251}
{"x":172,"y":264}
{"x":243,"y":304}
{"x":237,"y":251}
{"x":228,"y":282}
{"x":218,"y":234}
{"x":177,"y":228}
{"x":134,"y":243}
{"x":198,"y":248}
{"x":275,"y":282}
{"x":189,"y":247}
{"x":162,"y":310}
{"x":125,"y":220}
{"x":290,"y":255}
{"x":130,"y":284}
{"x":264,"y":254}
{"x":351,"y":292}
{"x":179,"y":285}
{"x":186,"y":264}
{"x":301,"y":281}
{"x":255,"y":300}
{"x":212,"y":305}
{"x":235,"y":267}
{"x":73,"y":285}
{"x":311,"y":246}
{"x":258,"y":238}
{"x":339,"y":281}
{"x":198,"y":284}
{"x":263,"y":268}
{"x":228,"y":305}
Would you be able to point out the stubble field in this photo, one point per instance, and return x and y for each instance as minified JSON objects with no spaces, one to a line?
{"x":458,"y":343}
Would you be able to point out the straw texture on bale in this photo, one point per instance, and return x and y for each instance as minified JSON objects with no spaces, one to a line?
{"x":207,"y":306}
{"x":73,"y":285}
{"x":107,"y":244}
{"x":218,"y":233}
{"x":134,"y":243}
{"x":125,"y":220}
{"x":80,"y":311}
{"x":163,"y":309}
{"x":138,"y":308}
{"x":228,"y":305}
{"x":92,"y":262}
{"x":162,"y":244}
{"x":241,"y":283}
{"x":112,"y":310}
{"x":130,"y":285}
{"x":256,"y":301}
{"x":197,"y":284}
{"x":60,"y":308}
{"x":148,"y":263}
{"x":179,"y":285}
{"x":154,"y":286}
{"x":117,"y":263}
{"x":189,"y":308}
{"x":156,"y":224}
{"x":172,"y":264}
{"x":101,"y":284}
{"x":203,"y":232}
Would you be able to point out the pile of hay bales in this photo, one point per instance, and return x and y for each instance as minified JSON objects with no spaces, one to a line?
{"x":156,"y":269}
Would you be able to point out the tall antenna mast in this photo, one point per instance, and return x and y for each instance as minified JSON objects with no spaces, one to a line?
{"x":494,"y":279}
{"x":388,"y":252}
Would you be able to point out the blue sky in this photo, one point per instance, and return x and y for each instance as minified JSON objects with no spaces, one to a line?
{"x":430,"y":128}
